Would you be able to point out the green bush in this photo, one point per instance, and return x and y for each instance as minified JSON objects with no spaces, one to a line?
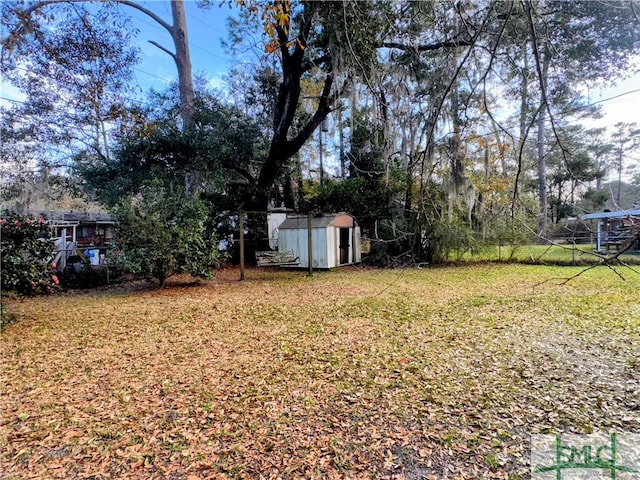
{"x":161,"y":233}
{"x":26,"y":251}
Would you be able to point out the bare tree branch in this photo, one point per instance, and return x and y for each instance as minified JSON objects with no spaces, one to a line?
{"x":429,"y":47}
{"x":166,"y":50}
{"x":603,"y":260}
{"x":149,"y":13}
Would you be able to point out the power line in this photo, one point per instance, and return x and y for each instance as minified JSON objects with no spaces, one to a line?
{"x":158,"y":27}
{"x":215,"y":29}
{"x":164,"y":79}
{"x":609,"y":98}
{"x":12,"y":100}
{"x":211,"y":53}
{"x":575,"y":109}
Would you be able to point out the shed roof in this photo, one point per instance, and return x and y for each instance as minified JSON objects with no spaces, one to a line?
{"x":324,"y":221}
{"x":88,"y":217}
{"x":607,"y":215}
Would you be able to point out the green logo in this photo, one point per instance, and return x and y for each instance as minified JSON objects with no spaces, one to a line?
{"x":594,"y":456}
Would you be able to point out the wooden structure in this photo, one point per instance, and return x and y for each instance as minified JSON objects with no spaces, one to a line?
{"x":276,"y":259}
{"x":306,"y":241}
{"x":81,"y":237}
{"x":616,"y":229}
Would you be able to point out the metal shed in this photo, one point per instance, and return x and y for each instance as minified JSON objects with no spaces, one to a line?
{"x":335,"y":240}
{"x":614,"y":228}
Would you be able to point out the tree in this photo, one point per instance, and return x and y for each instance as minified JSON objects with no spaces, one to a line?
{"x":223,"y":146}
{"x":314,"y":42}
{"x":364,"y":193}
{"x":590,"y":41}
{"x":30,"y":21}
{"x":548,"y":49}
{"x":25,"y":21}
{"x":626,"y":139}
{"x":567,"y":175}
{"x":425,"y":79}
{"x":161,"y":233}
{"x":76,"y":80}
{"x":600,"y":149}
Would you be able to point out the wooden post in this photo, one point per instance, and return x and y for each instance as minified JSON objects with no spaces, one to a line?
{"x":241,"y":225}
{"x":63,"y":247}
{"x":309,"y":244}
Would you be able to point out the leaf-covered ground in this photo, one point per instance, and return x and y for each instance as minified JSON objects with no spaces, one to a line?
{"x":435,"y":373}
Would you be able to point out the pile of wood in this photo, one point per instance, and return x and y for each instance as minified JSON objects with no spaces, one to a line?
{"x":275,"y":259}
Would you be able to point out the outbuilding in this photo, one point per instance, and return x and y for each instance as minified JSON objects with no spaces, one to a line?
{"x":81,"y":237}
{"x":615,"y":229}
{"x":335,"y":240}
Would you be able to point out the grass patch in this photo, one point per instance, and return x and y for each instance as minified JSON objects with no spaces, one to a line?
{"x":351,"y":373}
{"x":565,"y":255}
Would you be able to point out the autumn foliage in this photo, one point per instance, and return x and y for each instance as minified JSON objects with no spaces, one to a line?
{"x":358,"y":373}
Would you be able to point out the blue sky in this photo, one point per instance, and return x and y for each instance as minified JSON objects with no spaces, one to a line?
{"x":206,"y":28}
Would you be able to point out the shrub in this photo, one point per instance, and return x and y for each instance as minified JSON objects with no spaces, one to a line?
{"x":161,"y":233}
{"x":26,"y":251}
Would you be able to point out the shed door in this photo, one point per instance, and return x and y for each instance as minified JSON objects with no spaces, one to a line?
{"x":343,"y":246}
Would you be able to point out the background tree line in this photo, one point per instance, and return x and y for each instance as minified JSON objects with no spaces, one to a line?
{"x":441,"y":126}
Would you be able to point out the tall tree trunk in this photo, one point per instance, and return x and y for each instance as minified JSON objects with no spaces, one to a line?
{"x":542,"y":161}
{"x":408,"y":150}
{"x":520,"y":151}
{"x":186,"y":92}
{"x":599,"y":165}
{"x":343,"y":160}
{"x":542,"y":170}
{"x":294,"y":65}
{"x":181,"y":56}
{"x":182,"y":59}
{"x":385,"y":143}
{"x":457,"y":158}
{"x":480,"y":207}
{"x":524,"y":95}
{"x":619,"y":167}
